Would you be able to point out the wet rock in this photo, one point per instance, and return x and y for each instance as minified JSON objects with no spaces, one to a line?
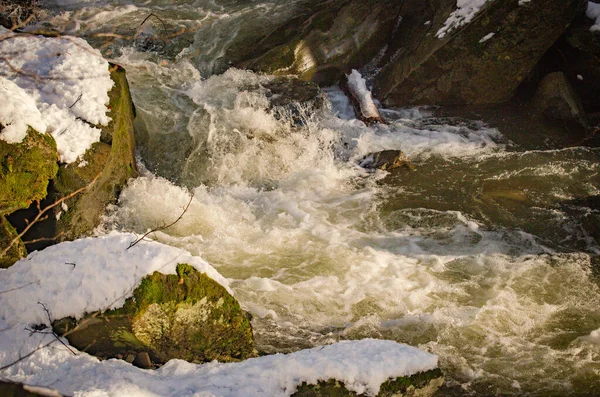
{"x":294,"y":98}
{"x":556,"y":99}
{"x":481,"y":62}
{"x":142,"y":360}
{"x":423,"y":384}
{"x":386,"y":160}
{"x":17,"y":249}
{"x":338,"y":36}
{"x":187,"y":316}
{"x":9,"y":389}
{"x":111,"y":161}
{"x":25,"y":170}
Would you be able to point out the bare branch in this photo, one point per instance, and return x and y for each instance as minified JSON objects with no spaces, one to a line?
{"x":163,"y":227}
{"x":41,"y":214}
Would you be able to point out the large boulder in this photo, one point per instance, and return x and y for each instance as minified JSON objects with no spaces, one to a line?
{"x":187,"y":316}
{"x":339,"y":36}
{"x":107,"y":166}
{"x":422,"y":384}
{"x":473,"y":61}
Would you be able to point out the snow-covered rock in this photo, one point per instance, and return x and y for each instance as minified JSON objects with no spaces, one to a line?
{"x":70,"y":279}
{"x":64,"y":86}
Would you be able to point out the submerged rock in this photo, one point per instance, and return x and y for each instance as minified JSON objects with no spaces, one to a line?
{"x":386,"y":160}
{"x":481,"y":61}
{"x":187,"y":316}
{"x":422,"y":384}
{"x":111,"y":161}
{"x":293,"y":98}
{"x":338,"y":36}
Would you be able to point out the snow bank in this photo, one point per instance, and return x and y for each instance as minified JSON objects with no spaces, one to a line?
{"x":464,"y":13}
{"x":67,"y":80}
{"x":17,"y":113}
{"x":358,"y":87}
{"x":593,"y":12}
{"x":97,"y":273}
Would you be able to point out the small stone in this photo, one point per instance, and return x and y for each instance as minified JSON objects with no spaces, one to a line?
{"x":142,"y":360}
{"x":119,"y":356}
{"x":129,"y":358}
{"x":386,"y":160}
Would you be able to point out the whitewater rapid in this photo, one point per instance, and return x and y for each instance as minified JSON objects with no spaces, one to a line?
{"x":482,"y":255}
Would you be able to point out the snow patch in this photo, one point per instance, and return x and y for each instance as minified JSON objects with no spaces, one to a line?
{"x":17,"y":111}
{"x":593,"y":12}
{"x":68,"y":82}
{"x":358,"y":87}
{"x":486,"y":37}
{"x":464,"y":13}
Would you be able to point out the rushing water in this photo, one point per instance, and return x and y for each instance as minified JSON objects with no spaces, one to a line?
{"x":486,"y":255}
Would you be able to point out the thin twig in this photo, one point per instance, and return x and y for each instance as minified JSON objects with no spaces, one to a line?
{"x":77,"y":100}
{"x":155,"y":16}
{"x":38,"y":240}
{"x":27,"y":355}
{"x":18,"y":288}
{"x":40,"y":215}
{"x":51,"y":330}
{"x":163,"y":227}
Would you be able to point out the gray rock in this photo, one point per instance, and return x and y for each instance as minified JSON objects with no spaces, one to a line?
{"x":556,"y":99}
{"x":338,"y":36}
{"x":142,"y":360}
{"x":462,"y":67}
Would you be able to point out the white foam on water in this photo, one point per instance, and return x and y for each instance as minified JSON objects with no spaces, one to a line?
{"x":304,"y":237}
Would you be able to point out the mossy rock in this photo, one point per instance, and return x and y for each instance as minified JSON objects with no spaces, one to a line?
{"x":187,"y":316}
{"x":111,"y":161}
{"x":25,"y":169}
{"x":17,"y":251}
{"x":421,"y":384}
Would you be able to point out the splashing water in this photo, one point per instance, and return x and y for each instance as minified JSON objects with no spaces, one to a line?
{"x":485,"y":255}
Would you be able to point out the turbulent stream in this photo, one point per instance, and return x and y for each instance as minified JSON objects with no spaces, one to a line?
{"x":486,"y":254}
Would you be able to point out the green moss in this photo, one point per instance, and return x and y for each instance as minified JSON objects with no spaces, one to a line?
{"x":17,"y":251}
{"x":112,"y":161}
{"x":422,"y":384}
{"x":25,"y":170}
{"x":187,"y":316}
